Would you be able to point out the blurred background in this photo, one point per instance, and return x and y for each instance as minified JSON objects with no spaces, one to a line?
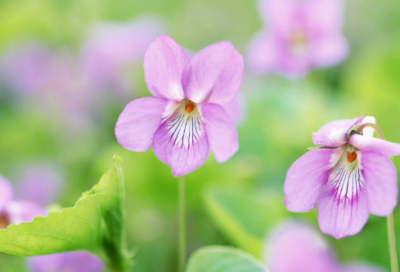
{"x":68,"y":68}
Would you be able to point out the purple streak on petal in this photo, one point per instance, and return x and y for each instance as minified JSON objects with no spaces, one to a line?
{"x":25,"y":68}
{"x":112,"y":45}
{"x":22,"y":211}
{"x":334,"y":134}
{"x":343,"y":204}
{"x":262,"y":57}
{"x":79,"y":261}
{"x":221,"y":131}
{"x":306,"y":178}
{"x":361,"y":267}
{"x":164,"y":63}
{"x":182,"y":144}
{"x":139,"y":121}
{"x":40,"y":183}
{"x":381,"y":183}
{"x":6,"y":192}
{"x":375,"y":145}
{"x":294,"y":246}
{"x":236,"y":109}
{"x":214,"y":75}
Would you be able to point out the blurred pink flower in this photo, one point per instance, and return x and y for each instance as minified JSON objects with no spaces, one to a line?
{"x":299,"y":36}
{"x":295,"y":246}
{"x":345,"y":176}
{"x":185,"y":117}
{"x":78,"y":261}
{"x":15,"y":212}
{"x":111,"y":46}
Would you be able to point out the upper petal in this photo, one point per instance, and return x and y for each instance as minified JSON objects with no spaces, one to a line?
{"x":221,"y":131}
{"x":181,"y":142}
{"x":343,"y":207}
{"x":375,"y":145}
{"x":164,"y":63}
{"x":306,"y":178}
{"x":139,"y":121}
{"x":214,"y":74}
{"x":6,"y":192}
{"x":381,"y":183}
{"x":334,"y":134}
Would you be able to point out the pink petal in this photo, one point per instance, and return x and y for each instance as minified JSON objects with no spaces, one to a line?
{"x":277,"y":14}
{"x":343,"y":205}
{"x":329,"y":50}
{"x":164,"y":63}
{"x":334,"y":134}
{"x":22,"y":212}
{"x":306,"y":178}
{"x":182,"y":144}
{"x":236,"y":109}
{"x":214,"y":74}
{"x":221,"y":132}
{"x":6,"y":192}
{"x":139,"y":121}
{"x":375,"y":145}
{"x":381,"y":183}
{"x":325,"y":15}
{"x":298,"y":247}
{"x":262,"y":53}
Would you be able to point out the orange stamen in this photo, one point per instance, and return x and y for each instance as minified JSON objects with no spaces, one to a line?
{"x":351,"y":156}
{"x":189,"y":107}
{"x":3,"y":222}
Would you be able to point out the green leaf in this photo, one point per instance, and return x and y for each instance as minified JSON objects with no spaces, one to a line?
{"x":245,"y":217}
{"x":223,"y":259}
{"x":95,"y":224}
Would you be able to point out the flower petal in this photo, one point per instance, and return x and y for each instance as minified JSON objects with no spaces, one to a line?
{"x":343,"y":207}
{"x":181,"y":142}
{"x":139,"y":121}
{"x":6,"y":192}
{"x":22,"y":212}
{"x":381,"y":183}
{"x":375,"y":145}
{"x":164,"y":63}
{"x":302,"y":245}
{"x":221,"y":132}
{"x":329,"y":50}
{"x":334,"y":134}
{"x":236,"y":109}
{"x":214,"y":74}
{"x":306,"y":178}
{"x":78,"y":261}
{"x":262,"y":56}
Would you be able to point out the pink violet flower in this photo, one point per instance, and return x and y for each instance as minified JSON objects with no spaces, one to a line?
{"x":77,"y":261}
{"x":185,"y":117}
{"x":350,"y":176}
{"x":296,"y":246}
{"x":15,"y":212}
{"x":299,"y":36}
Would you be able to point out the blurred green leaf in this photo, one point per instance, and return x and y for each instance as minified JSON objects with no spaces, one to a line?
{"x":95,"y":224}
{"x":245,"y":217}
{"x":223,"y":259}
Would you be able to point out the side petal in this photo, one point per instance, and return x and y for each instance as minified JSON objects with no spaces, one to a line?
{"x":22,"y":212}
{"x":375,"y":145}
{"x":381,"y":183}
{"x":329,"y":50}
{"x":139,"y":121}
{"x":334,"y":134}
{"x":181,"y":142}
{"x":262,"y":56}
{"x":221,"y":131}
{"x":164,"y":63}
{"x":343,"y":207}
{"x":214,"y":74}
{"x":6,"y":192}
{"x":306,"y":178}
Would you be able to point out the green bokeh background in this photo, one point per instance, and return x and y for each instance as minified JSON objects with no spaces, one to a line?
{"x":281,"y":115}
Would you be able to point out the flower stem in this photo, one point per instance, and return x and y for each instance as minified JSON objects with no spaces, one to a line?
{"x":182,"y":228}
{"x":389,"y":219}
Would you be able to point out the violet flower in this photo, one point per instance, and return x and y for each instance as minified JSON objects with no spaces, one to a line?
{"x":15,"y":212}
{"x":300,"y":36}
{"x":349,"y":175}
{"x":77,"y":261}
{"x":295,"y":246}
{"x":185,"y":117}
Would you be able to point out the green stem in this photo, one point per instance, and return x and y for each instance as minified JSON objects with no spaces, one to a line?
{"x":389,"y":219}
{"x":182,"y":224}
